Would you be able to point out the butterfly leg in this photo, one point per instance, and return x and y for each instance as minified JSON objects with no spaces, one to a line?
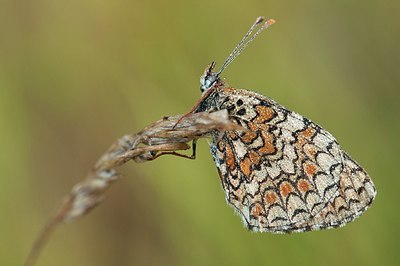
{"x":196,"y":106}
{"x":191,"y":157}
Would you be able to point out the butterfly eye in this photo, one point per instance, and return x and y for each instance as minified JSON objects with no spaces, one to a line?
{"x":207,"y":81}
{"x":203,"y":83}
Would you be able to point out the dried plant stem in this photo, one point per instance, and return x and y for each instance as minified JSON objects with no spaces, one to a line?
{"x":165,"y":136}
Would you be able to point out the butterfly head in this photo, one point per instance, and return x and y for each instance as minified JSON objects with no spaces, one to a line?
{"x":209,"y":78}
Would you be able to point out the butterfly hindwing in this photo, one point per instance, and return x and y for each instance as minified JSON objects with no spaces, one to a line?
{"x":284,"y":173}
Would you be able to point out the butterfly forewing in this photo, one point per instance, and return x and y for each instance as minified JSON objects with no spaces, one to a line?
{"x":284,"y":173}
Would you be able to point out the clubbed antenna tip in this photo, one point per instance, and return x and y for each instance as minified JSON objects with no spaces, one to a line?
{"x":259,"y":20}
{"x":270,"y":22}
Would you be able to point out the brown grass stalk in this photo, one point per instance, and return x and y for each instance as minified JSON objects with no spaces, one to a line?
{"x":166,"y":136}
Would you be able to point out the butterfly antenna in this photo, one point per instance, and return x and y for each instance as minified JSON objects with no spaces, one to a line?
{"x":246,"y":40}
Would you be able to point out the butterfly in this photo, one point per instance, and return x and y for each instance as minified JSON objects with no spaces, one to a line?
{"x":282,"y":173}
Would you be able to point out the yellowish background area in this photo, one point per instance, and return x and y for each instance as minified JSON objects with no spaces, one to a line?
{"x":77,"y":75}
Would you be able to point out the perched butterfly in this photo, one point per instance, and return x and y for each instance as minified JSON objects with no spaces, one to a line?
{"x":282,"y":173}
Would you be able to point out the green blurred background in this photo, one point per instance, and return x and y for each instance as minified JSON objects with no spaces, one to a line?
{"x":77,"y":75}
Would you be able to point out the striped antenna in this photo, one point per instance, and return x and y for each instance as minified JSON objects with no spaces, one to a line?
{"x":246,"y":40}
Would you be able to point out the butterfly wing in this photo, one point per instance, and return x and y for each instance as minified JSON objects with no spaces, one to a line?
{"x":285,"y":173}
{"x":356,"y":193}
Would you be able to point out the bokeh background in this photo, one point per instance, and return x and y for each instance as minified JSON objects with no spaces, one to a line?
{"x":77,"y":75}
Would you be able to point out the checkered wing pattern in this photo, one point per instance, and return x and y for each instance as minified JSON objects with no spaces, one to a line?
{"x":284,"y":173}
